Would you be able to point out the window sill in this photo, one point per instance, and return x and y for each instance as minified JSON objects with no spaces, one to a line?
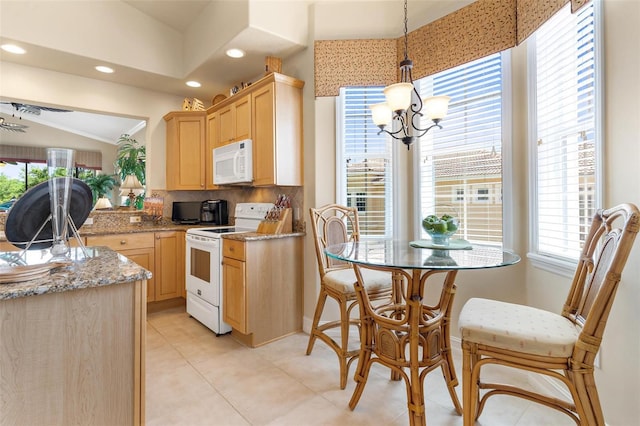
{"x":561,"y":267}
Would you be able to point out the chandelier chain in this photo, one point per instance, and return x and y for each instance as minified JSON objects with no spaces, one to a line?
{"x":406,"y":32}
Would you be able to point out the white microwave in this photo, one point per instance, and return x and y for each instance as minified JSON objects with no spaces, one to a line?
{"x":232,"y":163}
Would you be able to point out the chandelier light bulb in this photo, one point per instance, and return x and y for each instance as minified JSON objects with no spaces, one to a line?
{"x":436,"y":107}
{"x":398,"y":96}
{"x":381,"y":114}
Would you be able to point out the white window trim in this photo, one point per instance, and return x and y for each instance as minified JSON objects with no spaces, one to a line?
{"x":341,"y":188}
{"x":563,"y":267}
{"x":509,"y":204}
{"x":341,"y":179}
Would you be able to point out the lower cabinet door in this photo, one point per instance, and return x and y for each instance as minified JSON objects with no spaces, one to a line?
{"x":144,"y":258}
{"x":234,"y":294}
{"x":169,"y":265}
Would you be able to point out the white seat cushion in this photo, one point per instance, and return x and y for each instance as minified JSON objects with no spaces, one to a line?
{"x":517,"y":328}
{"x":342,"y":280}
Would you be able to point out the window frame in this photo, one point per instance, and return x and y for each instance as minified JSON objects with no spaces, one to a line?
{"x":563,"y":267}
{"x":343,"y":196}
{"x":508,"y":199}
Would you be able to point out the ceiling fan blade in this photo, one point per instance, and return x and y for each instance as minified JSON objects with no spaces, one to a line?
{"x":33,"y":109}
{"x":13,"y":127}
{"x":53,"y":109}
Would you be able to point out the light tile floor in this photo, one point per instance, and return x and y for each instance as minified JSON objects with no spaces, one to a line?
{"x":195,"y":378}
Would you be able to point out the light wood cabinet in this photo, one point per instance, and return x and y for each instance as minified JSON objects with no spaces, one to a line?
{"x":74,"y":357}
{"x":185,"y":150}
{"x":138,"y":247}
{"x":262,"y":288}
{"x":277,"y":131}
{"x":269,"y":112}
{"x":234,"y":120}
{"x":169,"y":269}
{"x":162,"y":253}
{"x":7,"y":246}
{"x":234,"y":294}
{"x":212,"y":141}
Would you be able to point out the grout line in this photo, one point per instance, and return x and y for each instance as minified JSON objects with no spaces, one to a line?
{"x":192,"y":365}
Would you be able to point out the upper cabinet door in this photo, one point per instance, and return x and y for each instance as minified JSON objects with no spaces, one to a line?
{"x":185,"y":162}
{"x":264,"y":136}
{"x":213,"y":141}
{"x":277,"y":132}
{"x":234,"y":120}
{"x":243,"y":118}
{"x":225,"y":125}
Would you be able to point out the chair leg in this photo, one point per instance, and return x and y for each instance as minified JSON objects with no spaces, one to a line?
{"x":452,"y":382}
{"x":586,"y":399}
{"x":417,"y":416}
{"x":322,"y":298}
{"x":469,"y":389}
{"x":415,"y":397}
{"x":361,"y":375}
{"x":344,"y":338}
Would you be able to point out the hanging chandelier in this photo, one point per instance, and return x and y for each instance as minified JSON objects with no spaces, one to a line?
{"x":404,"y":105}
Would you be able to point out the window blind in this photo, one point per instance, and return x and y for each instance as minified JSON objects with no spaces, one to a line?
{"x":365,"y":162}
{"x":32,"y":154}
{"x":461,"y":164}
{"x":565,"y":132}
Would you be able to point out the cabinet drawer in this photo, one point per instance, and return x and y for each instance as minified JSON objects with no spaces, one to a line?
{"x":233,"y":249}
{"x":123,"y":241}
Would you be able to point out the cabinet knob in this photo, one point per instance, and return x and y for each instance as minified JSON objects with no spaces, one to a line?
{"x":123,"y":242}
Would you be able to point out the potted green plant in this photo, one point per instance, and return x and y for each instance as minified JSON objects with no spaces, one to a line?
{"x":130,"y":158}
{"x":101,"y":185}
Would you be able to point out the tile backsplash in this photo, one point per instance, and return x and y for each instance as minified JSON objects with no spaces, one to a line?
{"x":119,"y":218}
{"x":240,"y":195}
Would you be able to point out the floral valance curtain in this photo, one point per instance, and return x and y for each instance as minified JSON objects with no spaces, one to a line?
{"x":24,"y":154}
{"x":480,"y":29}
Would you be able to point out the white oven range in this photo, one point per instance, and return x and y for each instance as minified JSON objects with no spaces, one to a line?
{"x":204,"y":260}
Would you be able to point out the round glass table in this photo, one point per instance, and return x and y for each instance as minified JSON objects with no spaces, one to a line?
{"x":407,"y":334}
{"x":401,"y":254}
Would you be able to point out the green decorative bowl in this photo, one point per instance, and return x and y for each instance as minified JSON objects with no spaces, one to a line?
{"x":440,"y":229}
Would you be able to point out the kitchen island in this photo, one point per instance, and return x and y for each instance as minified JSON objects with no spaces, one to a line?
{"x":72,"y":341}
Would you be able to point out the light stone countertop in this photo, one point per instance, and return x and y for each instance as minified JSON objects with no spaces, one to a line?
{"x":101,"y":266}
{"x":255,"y":236}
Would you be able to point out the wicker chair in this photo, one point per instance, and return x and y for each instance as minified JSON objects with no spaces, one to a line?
{"x":560,"y":346}
{"x":409,"y":336}
{"x":335,"y":224}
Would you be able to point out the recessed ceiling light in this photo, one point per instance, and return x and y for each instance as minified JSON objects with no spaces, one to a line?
{"x":104,"y":69}
{"x":193,"y":84}
{"x":235,"y":53}
{"x":12,"y":48}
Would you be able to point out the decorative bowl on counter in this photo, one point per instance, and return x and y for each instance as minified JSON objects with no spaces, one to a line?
{"x":440,"y":229}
